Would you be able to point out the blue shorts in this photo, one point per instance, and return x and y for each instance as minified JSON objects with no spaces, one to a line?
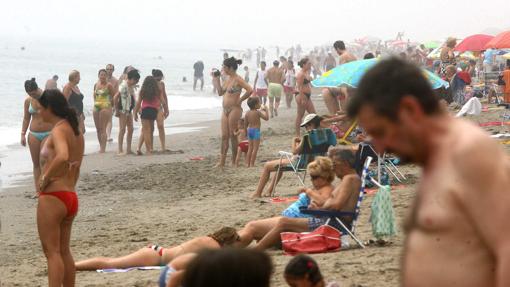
{"x":253,"y":134}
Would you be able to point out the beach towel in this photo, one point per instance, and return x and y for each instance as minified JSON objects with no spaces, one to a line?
{"x":319,"y":137}
{"x":283,"y":199}
{"x":123,"y":270}
{"x":471,"y":107}
{"x":383,"y":217}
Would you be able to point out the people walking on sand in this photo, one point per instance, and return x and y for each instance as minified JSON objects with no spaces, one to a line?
{"x":37,"y":129}
{"x":51,"y":83}
{"x":289,"y":86}
{"x":275,"y":77}
{"x":329,"y":62}
{"x":110,"y":68}
{"x":75,"y":98}
{"x":260,"y":83}
{"x":149,"y":102}
{"x":231,"y":91}
{"x":457,"y":232}
{"x":303,"y":98}
{"x":126,"y":102}
{"x":198,"y":75}
{"x":61,"y":157}
{"x":253,"y":124}
{"x":103,"y":103}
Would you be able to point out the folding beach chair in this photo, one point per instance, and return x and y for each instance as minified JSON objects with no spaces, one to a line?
{"x":343,"y":140}
{"x":315,"y":143}
{"x":334,"y":217}
{"x":366,"y":149}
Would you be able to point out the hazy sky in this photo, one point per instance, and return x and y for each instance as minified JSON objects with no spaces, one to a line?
{"x":240,"y":23}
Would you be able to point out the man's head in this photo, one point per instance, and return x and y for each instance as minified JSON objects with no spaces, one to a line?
{"x":55,"y":78}
{"x":109,"y":69}
{"x":393,"y":104}
{"x":339,"y":47}
{"x":276,"y":63}
{"x":344,"y":161}
{"x":133,"y":77}
{"x":253,"y":103}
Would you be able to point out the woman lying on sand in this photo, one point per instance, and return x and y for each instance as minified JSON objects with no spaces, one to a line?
{"x":154,"y":255}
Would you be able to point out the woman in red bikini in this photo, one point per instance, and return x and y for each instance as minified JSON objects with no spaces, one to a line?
{"x":61,"y":157}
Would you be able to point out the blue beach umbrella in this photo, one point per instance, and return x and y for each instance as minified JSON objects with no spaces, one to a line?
{"x":350,"y":74}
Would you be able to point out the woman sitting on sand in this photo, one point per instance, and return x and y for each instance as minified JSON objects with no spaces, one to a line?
{"x":155,"y":255}
{"x":231,"y":91}
{"x":311,"y":122}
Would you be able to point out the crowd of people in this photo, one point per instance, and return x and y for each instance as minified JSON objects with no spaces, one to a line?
{"x":394,"y":104}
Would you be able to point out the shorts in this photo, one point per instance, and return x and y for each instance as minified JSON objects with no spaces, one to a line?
{"x":149,"y":114}
{"x":253,"y":134}
{"x":316,"y":222}
{"x":275,"y":90}
{"x":261,"y":92}
{"x":288,"y":90}
{"x":196,"y":78}
{"x":244,"y":146}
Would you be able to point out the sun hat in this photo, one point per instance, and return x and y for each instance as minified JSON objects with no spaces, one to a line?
{"x":308,"y":119}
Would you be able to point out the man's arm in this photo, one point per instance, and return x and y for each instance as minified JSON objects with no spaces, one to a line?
{"x":485,"y":171}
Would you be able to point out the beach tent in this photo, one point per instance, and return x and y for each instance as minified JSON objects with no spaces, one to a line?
{"x":475,"y":43}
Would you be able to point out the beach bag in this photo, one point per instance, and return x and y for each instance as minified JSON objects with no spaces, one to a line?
{"x":321,"y":240}
{"x":383,"y":217}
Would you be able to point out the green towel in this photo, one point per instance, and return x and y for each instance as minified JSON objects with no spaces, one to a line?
{"x":383,"y":217}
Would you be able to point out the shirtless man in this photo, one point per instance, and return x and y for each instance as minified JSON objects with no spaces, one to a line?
{"x":329,"y":62}
{"x":457,"y":234}
{"x":51,"y":84}
{"x":275,"y":78}
{"x":115,"y":84}
{"x":331,"y":95}
{"x":343,"y":198}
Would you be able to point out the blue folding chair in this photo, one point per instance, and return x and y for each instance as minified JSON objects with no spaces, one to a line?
{"x":315,"y":143}
{"x":334,"y":217}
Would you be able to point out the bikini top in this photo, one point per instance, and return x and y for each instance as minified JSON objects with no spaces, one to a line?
{"x":31,"y":109}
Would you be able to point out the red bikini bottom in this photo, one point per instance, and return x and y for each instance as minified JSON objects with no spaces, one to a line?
{"x":68,"y":198}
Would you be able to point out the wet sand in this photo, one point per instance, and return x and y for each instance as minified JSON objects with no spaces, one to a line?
{"x":129,"y":202}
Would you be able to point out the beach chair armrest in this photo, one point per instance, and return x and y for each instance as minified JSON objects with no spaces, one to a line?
{"x":326,"y":213}
{"x":285,"y":153}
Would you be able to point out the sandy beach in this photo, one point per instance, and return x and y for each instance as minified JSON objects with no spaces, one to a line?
{"x":129,"y":202}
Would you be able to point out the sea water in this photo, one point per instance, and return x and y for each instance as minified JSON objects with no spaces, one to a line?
{"x":22,"y":59}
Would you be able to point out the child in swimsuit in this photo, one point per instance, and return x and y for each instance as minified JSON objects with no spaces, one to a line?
{"x":252,"y":122}
{"x":243,"y":142}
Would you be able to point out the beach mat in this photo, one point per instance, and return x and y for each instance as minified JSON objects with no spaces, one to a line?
{"x":283,"y":199}
{"x":123,"y":270}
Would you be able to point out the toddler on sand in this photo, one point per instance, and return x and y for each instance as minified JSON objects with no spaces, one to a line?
{"x":241,"y":139}
{"x":252,"y":122}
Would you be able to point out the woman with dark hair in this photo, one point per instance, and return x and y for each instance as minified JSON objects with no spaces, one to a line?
{"x":303,"y":98}
{"x":303,"y":271}
{"x":231,"y":91}
{"x":38,"y":131}
{"x":74,"y":97}
{"x":162,"y":115}
{"x":103,"y":103}
{"x":229,"y":268}
{"x":61,"y":157}
{"x":150,"y":100}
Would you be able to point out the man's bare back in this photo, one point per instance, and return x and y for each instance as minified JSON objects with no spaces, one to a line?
{"x":346,"y":57}
{"x":460,"y":212}
{"x":275,"y":75}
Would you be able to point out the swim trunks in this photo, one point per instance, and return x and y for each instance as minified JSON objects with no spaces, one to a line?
{"x":288,"y":90}
{"x":253,"y":134}
{"x":275,"y":90}
{"x":261,"y":92}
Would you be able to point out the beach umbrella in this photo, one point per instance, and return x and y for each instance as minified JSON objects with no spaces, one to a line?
{"x":475,"y":42}
{"x":501,"y":41}
{"x":350,"y":74}
{"x":432,"y":44}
